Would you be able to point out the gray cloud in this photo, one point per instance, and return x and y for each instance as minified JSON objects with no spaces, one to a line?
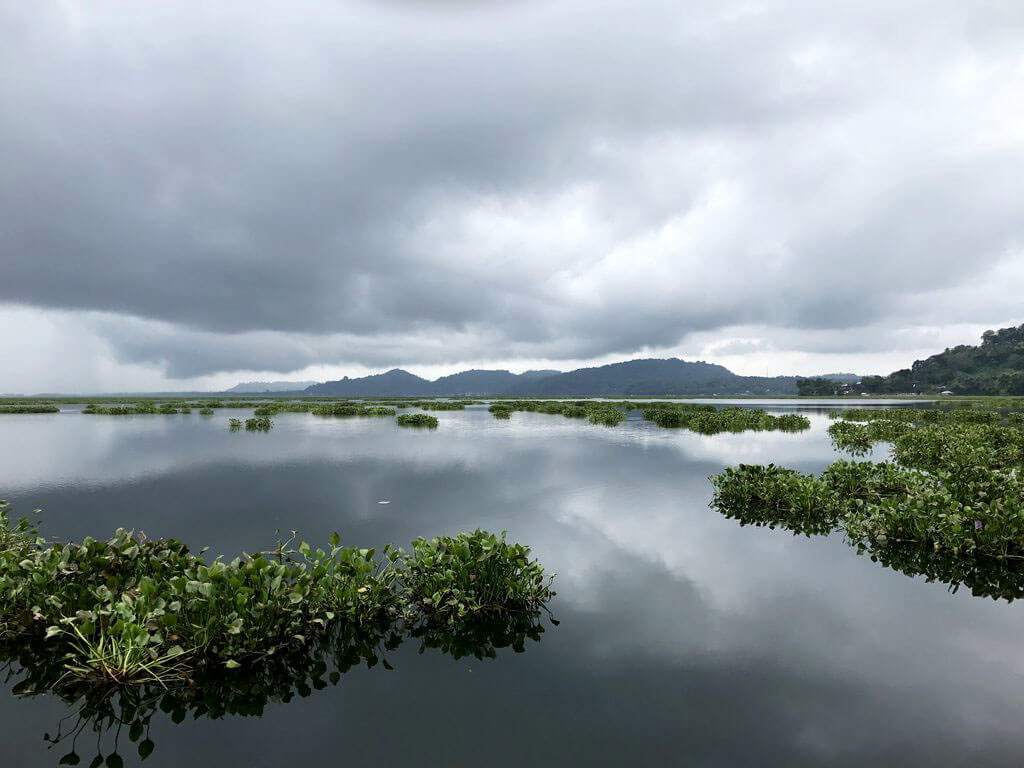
{"x":244,"y":187}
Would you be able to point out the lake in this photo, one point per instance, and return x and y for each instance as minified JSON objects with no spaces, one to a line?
{"x":683,"y":638}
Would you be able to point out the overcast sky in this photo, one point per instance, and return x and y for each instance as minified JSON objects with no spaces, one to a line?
{"x":197,"y":193}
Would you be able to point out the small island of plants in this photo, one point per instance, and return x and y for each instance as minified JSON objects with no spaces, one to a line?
{"x":30,"y":408}
{"x":417,"y":420}
{"x":129,"y":627}
{"x":133,"y":610}
{"x":953,"y":489}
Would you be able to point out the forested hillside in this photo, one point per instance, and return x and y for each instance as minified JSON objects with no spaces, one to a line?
{"x":995,"y":367}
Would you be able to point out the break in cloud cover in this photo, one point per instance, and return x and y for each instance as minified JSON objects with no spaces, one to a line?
{"x":196,"y":193}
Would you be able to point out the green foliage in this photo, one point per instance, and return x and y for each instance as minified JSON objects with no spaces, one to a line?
{"x":818,"y":387}
{"x":996,"y":367}
{"x":206,"y":411}
{"x":234,"y":424}
{"x":440,"y":405}
{"x":955,"y":487}
{"x":113,"y":410}
{"x":258,"y":424}
{"x":473,"y":575}
{"x":30,"y":408}
{"x":709,"y":420}
{"x":417,"y":420}
{"x":607,"y":415}
{"x":501,"y":411}
{"x":351,"y":409}
{"x":130,"y":610}
{"x":598,"y":412}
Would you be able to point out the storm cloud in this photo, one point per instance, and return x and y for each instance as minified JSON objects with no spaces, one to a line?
{"x":210,"y":188}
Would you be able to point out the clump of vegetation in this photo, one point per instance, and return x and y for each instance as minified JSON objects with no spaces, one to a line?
{"x":440,"y":405}
{"x":599,"y":412}
{"x":258,"y":424}
{"x":501,"y":411}
{"x":954,"y":486}
{"x":792,"y":422}
{"x":130,"y":610}
{"x":708,"y":420}
{"x":473,"y":575}
{"x":417,"y":420}
{"x":607,"y":415}
{"x":206,"y":411}
{"x":351,"y":409}
{"x":112,"y":410}
{"x":234,"y":424}
{"x":916,"y":416}
{"x":338,"y":409}
{"x":30,"y":408}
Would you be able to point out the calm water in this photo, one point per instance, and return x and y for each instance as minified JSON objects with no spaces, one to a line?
{"x":683,"y":638}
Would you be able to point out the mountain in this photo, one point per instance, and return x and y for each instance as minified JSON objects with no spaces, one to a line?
{"x":399,"y":383}
{"x":393,"y":383}
{"x":541,"y":374}
{"x":656,"y":377}
{"x":477,"y":382}
{"x":258,"y":387}
{"x":643,"y":378}
{"x":995,"y":367}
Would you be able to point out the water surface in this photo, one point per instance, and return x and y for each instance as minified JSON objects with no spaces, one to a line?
{"x":683,"y":637}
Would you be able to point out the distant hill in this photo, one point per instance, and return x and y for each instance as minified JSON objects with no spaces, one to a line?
{"x":541,"y":374}
{"x":642,"y":378}
{"x":399,"y":383}
{"x":256,"y":387}
{"x":842,"y":378}
{"x":393,"y":383}
{"x":995,"y":367}
{"x":478,"y":382}
{"x":656,"y":377}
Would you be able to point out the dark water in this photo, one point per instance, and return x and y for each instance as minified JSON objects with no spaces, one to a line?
{"x":683,"y":638}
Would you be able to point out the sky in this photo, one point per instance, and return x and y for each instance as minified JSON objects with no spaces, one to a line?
{"x":195,"y":194}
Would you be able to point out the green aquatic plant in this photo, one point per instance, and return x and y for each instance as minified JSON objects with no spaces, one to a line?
{"x":30,"y":408}
{"x":258,"y":424}
{"x":440,"y":405}
{"x":130,"y":610}
{"x":113,"y":410}
{"x":708,"y":420}
{"x":234,"y":424}
{"x":417,"y":420}
{"x":955,"y":488}
{"x":792,"y":422}
{"x":920,"y":416}
{"x":206,"y":411}
{"x":472,"y":575}
{"x":120,"y":655}
{"x":608,"y":416}
{"x":501,"y":410}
